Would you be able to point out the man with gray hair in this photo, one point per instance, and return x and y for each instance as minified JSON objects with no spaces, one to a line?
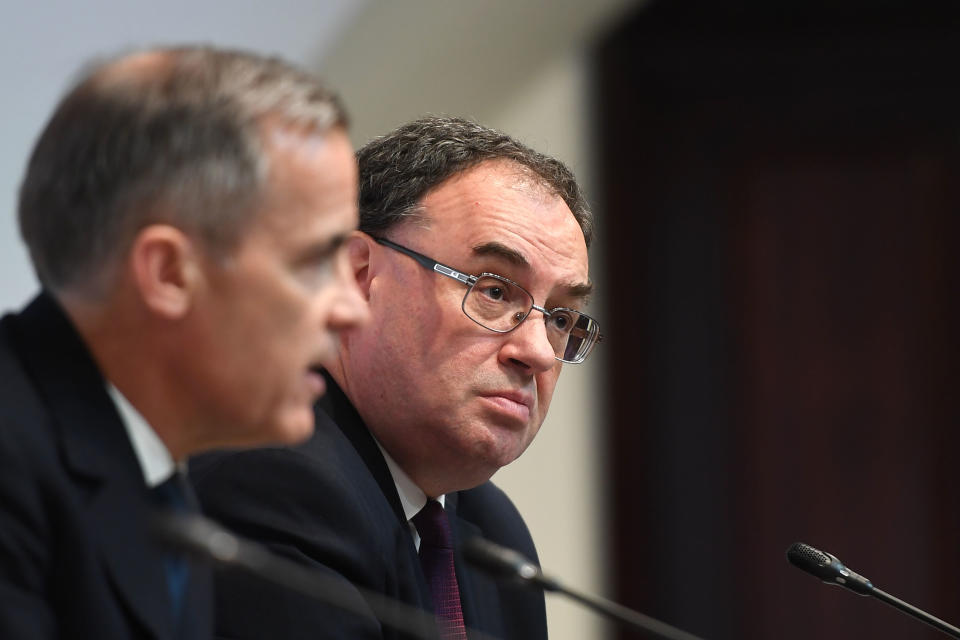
{"x":185,"y":211}
{"x":472,"y":256}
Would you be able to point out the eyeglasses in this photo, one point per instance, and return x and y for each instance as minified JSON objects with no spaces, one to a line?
{"x":500,"y":305}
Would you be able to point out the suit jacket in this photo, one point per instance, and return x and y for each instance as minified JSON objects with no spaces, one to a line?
{"x":331,"y":504}
{"x":76,"y":559}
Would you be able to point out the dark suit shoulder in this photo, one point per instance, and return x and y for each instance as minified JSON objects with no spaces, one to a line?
{"x":521,"y":612}
{"x":36,"y":505}
{"x":492,"y":511}
{"x":487,"y":498}
{"x":29,"y":457}
{"x":314,"y":502}
{"x":317,"y":504}
{"x":22,"y":406}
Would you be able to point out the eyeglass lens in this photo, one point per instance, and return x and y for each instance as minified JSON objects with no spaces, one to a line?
{"x":500,"y":305}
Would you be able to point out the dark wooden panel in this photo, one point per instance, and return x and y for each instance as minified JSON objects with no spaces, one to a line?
{"x":781,"y":209}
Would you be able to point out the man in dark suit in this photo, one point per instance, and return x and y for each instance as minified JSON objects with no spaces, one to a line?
{"x":472,"y":256}
{"x":184,"y":210}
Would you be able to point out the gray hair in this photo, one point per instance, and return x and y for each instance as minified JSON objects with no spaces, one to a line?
{"x":397,"y":170}
{"x":169,"y":135}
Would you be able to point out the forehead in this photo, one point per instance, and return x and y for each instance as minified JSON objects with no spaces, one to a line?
{"x":502,"y":203}
{"x":311,"y":180}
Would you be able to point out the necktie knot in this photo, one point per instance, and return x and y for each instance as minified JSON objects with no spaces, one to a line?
{"x":171,"y":494}
{"x":432,"y":525}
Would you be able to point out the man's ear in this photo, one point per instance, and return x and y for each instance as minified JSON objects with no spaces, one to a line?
{"x":358,"y":247}
{"x":164,"y":266}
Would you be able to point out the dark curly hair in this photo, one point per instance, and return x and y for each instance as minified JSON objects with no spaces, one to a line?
{"x":397,"y":170}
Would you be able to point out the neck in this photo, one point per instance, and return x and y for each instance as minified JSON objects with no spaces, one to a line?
{"x":435,"y":477}
{"x":129,"y":358}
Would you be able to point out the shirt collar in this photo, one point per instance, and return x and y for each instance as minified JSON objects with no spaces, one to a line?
{"x":412,"y":497}
{"x":155,"y":460}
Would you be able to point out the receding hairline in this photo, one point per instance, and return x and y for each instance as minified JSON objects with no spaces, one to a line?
{"x":132,"y":104}
{"x":140,"y":65}
{"x":156,"y":71}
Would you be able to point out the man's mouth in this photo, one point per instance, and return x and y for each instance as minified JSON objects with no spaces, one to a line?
{"x":315,"y":381}
{"x":517,"y":404}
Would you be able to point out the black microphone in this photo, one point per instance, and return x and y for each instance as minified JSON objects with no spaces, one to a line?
{"x":828,"y":568}
{"x":509,"y":564}
{"x":204,"y":538}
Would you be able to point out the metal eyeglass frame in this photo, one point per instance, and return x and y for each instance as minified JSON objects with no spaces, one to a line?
{"x":594,"y":337}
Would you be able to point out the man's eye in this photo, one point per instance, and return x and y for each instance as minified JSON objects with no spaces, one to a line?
{"x":561,"y":321}
{"x":494,"y":292}
{"x":315,"y":273}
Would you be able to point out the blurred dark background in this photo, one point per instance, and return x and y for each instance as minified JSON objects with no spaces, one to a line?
{"x":780,"y":185}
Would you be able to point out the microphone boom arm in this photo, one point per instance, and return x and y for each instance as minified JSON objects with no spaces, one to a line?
{"x":507,"y":563}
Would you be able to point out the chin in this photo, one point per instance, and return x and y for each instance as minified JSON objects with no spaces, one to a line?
{"x":293,"y":429}
{"x":497,"y":454}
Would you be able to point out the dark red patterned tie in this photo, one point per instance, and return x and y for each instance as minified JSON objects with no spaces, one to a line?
{"x":436,"y":558}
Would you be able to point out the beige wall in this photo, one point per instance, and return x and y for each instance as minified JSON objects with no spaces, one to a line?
{"x":524,"y":70}
{"x":557,"y":484}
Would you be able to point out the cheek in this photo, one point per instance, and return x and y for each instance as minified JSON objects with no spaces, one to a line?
{"x":416,"y":327}
{"x":546,"y":383}
{"x":286,"y":305}
{"x":279,"y":335}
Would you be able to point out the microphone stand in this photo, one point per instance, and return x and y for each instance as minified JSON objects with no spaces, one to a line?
{"x":507,"y":563}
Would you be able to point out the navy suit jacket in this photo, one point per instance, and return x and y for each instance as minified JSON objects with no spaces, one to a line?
{"x":76,"y":559}
{"x":331,"y":504}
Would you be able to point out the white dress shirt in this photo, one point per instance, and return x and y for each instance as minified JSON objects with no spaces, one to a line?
{"x":155,"y":460}
{"x":412,"y":497}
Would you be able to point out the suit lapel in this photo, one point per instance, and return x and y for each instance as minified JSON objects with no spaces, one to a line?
{"x":336,"y":404}
{"x":118,"y":519}
{"x":343,"y":414}
{"x":98,"y":454}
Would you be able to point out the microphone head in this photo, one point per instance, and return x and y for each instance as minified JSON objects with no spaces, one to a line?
{"x":811,"y":560}
{"x":827,"y":567}
{"x":500,"y":561}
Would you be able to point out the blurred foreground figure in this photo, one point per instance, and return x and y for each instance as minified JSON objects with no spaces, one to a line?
{"x":184,"y":211}
{"x":473,"y":259}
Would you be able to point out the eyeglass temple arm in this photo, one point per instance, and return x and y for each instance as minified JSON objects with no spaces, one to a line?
{"x":453,"y":273}
{"x":429,"y":263}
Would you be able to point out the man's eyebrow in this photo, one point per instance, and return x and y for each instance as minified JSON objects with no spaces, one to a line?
{"x":323,"y":250}
{"x":577,"y":290}
{"x":499,"y":250}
